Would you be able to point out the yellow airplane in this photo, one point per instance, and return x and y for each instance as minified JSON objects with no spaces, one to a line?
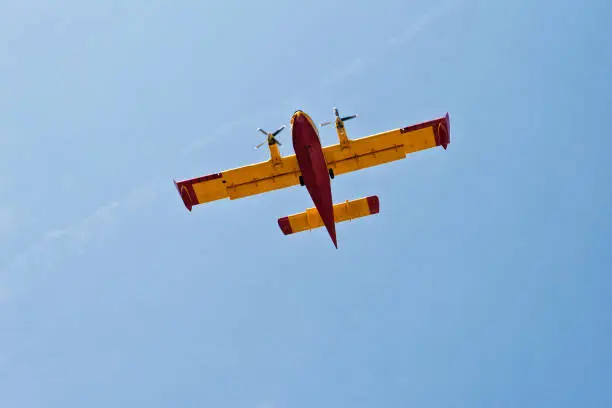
{"x":313,"y":166}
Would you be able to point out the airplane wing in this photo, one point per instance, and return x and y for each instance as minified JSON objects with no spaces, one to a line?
{"x":240,"y":182}
{"x":387,"y":146}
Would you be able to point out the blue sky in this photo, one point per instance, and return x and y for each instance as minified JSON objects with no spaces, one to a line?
{"x":484,"y":281}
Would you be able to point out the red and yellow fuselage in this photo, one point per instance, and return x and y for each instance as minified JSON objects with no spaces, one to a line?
{"x":313,"y":167}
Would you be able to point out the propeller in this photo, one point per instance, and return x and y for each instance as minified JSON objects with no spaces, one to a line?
{"x":271,"y":137}
{"x":329,"y":122}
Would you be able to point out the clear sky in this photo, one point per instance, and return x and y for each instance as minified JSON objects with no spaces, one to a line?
{"x":485,"y":281}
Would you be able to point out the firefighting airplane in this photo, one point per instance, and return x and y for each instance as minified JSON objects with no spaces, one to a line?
{"x":313,"y":166}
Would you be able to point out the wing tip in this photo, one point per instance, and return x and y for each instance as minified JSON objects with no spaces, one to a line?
{"x":444,"y":131}
{"x":440,"y":127}
{"x":184,"y":194}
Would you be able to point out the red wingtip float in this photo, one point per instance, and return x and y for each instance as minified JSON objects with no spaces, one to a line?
{"x":314,"y":166}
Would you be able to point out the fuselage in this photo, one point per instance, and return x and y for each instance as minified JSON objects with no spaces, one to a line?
{"x":315,"y":173}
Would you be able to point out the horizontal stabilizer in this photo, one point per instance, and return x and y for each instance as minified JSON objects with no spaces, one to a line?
{"x":345,"y":211}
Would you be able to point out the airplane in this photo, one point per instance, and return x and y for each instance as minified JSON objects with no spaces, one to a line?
{"x":314,"y":166}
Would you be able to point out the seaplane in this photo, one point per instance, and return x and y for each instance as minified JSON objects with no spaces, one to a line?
{"x":313,"y":166}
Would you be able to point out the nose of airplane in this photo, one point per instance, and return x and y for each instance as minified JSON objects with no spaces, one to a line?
{"x":297,"y":113}
{"x":298,"y":117}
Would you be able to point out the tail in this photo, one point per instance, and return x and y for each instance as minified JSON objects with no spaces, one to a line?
{"x":331,"y":229}
{"x":345,"y":211}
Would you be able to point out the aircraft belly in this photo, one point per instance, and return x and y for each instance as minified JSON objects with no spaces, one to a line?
{"x":313,"y":167}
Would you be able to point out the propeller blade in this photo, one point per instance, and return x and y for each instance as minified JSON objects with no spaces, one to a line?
{"x":348,"y":117}
{"x":262,"y":131}
{"x":329,"y":122}
{"x":259,"y":145}
{"x":280,"y":129}
{"x":336,"y":112}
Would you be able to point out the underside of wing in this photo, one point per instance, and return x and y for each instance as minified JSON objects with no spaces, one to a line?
{"x":387,"y":146}
{"x":240,"y":182}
